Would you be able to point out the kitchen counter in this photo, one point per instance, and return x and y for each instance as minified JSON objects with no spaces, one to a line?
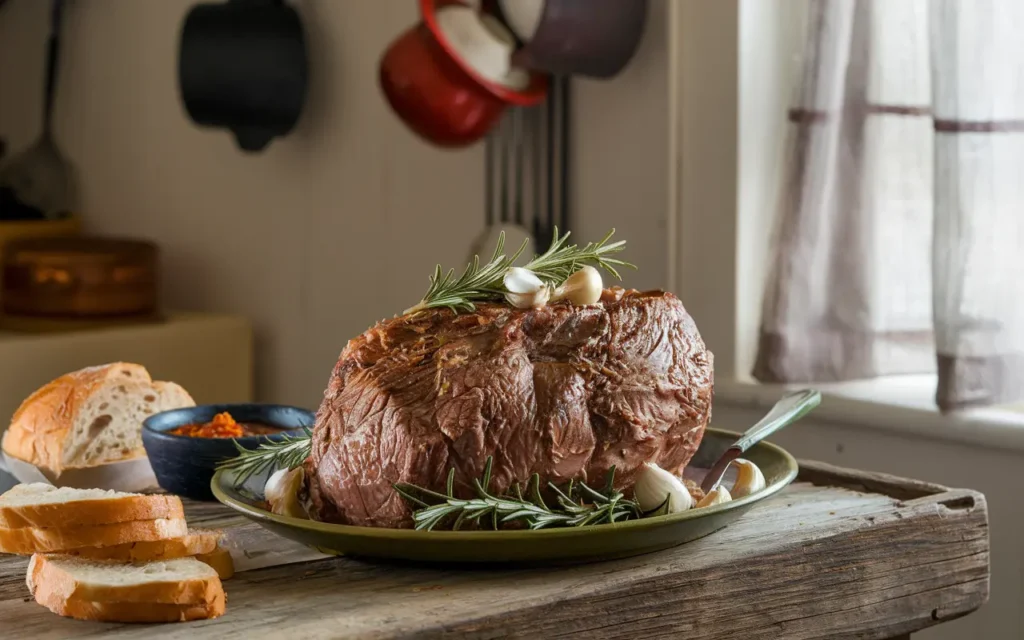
{"x":837,"y":554}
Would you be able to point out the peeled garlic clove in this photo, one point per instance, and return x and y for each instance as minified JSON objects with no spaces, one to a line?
{"x":581,"y":288}
{"x":525,"y":289}
{"x":520,"y":280}
{"x":715,"y":496}
{"x":749,"y":479}
{"x":529,"y":300}
{"x":282,"y":492}
{"x":652,"y":486}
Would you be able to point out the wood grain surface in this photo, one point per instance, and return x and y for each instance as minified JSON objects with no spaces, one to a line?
{"x":819,"y":560}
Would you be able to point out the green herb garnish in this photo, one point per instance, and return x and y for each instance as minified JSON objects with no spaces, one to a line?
{"x":483,"y":283}
{"x":286,"y":453}
{"x":576,"y":505}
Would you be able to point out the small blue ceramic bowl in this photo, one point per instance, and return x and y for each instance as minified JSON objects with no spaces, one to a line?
{"x":184,"y":465}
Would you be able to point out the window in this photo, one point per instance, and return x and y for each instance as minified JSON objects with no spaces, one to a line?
{"x":907,"y":118}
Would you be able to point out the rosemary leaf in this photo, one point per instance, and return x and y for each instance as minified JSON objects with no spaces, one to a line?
{"x":498,"y":510}
{"x":286,"y":453}
{"x":484,"y":282}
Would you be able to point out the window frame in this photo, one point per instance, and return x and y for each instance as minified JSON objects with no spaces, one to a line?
{"x":727,"y":127}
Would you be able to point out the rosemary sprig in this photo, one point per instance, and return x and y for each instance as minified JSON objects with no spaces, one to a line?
{"x":484,"y":283}
{"x":286,"y":453}
{"x":562,"y":259}
{"x":577,"y":505}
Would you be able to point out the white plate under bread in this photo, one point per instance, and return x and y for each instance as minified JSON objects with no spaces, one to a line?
{"x":130,"y":475}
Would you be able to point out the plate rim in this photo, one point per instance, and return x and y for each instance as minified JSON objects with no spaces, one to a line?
{"x":441,"y":535}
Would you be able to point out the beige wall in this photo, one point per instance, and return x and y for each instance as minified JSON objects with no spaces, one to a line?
{"x":334,"y":227}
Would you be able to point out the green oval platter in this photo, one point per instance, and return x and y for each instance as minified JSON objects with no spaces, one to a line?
{"x":557,"y":545}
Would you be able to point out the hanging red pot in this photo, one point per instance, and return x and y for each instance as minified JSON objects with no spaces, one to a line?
{"x":449,"y":77}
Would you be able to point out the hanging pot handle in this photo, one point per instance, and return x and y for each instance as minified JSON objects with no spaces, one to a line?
{"x":52,"y":59}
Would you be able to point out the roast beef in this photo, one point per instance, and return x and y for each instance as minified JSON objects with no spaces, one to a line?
{"x":564,"y":391}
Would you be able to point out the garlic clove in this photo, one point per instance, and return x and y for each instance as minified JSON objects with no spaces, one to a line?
{"x":581,"y":288}
{"x":719,"y":495}
{"x":282,"y":492}
{"x":525,"y":289}
{"x":749,"y":479}
{"x":520,"y":280}
{"x":536,"y":299}
{"x":653,"y":484}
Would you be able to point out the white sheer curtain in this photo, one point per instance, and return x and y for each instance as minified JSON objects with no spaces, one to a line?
{"x":901,"y":229}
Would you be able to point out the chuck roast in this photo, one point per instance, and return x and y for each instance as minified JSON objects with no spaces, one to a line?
{"x":563,"y":391}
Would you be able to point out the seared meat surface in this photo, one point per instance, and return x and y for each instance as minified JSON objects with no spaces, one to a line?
{"x":563,"y":391}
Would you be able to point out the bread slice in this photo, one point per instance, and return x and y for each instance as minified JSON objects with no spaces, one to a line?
{"x":221,"y":561}
{"x":28,"y":540}
{"x":197,"y":542}
{"x":181,"y":581}
{"x":130,"y":611}
{"x":43,"y":505}
{"x":89,"y":417}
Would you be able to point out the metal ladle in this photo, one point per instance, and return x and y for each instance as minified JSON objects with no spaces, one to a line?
{"x":786,"y":411}
{"x":40,"y":176}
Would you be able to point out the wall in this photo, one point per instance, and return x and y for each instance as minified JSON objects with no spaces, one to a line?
{"x":337,"y":225}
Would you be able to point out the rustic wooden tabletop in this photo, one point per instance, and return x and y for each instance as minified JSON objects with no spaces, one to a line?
{"x":838,"y":554}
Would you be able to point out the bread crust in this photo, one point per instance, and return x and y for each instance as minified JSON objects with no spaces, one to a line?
{"x":221,"y":561}
{"x":29,"y":540}
{"x":92,"y":512}
{"x":129,"y":611}
{"x":41,"y":425}
{"x":198,"y":542}
{"x":51,"y":579}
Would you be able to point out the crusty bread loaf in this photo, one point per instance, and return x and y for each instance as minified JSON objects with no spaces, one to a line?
{"x":172,"y":591}
{"x":182,"y":581}
{"x":198,"y":542}
{"x":89,"y":417}
{"x":28,"y":540}
{"x":46,"y":506}
{"x":221,"y":561}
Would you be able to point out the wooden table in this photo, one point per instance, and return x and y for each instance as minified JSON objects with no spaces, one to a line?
{"x":839,"y":554}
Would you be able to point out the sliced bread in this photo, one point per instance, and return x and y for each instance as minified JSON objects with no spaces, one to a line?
{"x":130,"y":611}
{"x":43,"y":505}
{"x":181,"y":581}
{"x":28,"y":540}
{"x":221,"y":561}
{"x":89,"y":417}
{"x":197,"y":542}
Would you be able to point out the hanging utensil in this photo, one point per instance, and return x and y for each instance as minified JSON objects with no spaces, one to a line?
{"x":540,"y":227}
{"x":40,"y":178}
{"x":504,"y":162}
{"x":484,"y":244}
{"x":550,"y":131}
{"x":564,"y":149}
{"x":516,"y":234}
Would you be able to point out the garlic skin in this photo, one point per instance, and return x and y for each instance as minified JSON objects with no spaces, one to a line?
{"x":529,"y":300}
{"x":654,"y":483}
{"x":749,"y":478}
{"x":282,"y":492}
{"x":720,"y":495}
{"x":525,"y":289}
{"x":581,"y":288}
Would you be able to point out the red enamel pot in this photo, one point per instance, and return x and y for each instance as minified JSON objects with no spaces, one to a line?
{"x":437,"y":93}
